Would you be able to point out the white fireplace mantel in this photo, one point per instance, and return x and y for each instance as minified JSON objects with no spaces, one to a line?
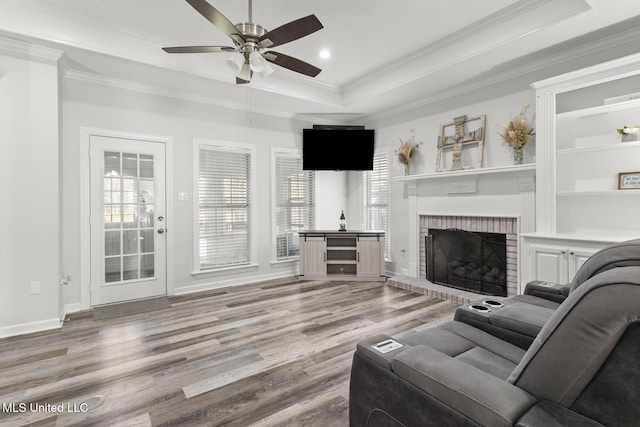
{"x":517,"y":169}
{"x":460,"y":195}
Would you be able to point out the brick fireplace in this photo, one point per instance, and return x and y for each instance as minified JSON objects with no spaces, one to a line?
{"x":477,"y":224}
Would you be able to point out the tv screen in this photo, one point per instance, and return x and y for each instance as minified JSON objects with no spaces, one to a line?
{"x":337,"y":149}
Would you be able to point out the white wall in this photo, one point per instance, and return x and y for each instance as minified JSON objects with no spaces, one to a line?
{"x":29,"y":196}
{"x":90,"y":105}
{"x":331,"y":200}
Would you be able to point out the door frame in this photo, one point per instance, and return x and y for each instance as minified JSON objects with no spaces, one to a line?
{"x":85,"y":205}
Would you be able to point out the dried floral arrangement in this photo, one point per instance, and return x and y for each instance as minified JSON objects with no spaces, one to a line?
{"x":407,"y":150}
{"x":518,"y":131}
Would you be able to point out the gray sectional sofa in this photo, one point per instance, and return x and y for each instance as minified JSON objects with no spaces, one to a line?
{"x":581,"y":369}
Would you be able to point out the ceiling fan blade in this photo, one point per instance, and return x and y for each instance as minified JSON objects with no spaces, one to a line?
{"x":218,"y":19}
{"x":244,"y":76}
{"x":290,"y":32}
{"x":199,"y":49}
{"x":292,"y":63}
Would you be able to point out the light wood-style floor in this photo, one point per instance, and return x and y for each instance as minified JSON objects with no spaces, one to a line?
{"x":268,"y":354}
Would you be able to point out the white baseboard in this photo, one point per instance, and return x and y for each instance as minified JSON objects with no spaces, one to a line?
{"x":30,"y":327}
{"x":232,"y":282}
{"x":72,"y":308}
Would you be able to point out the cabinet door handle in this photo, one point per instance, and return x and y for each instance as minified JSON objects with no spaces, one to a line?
{"x":571,"y":253}
{"x":325,"y":256}
{"x":358,"y":256}
{"x":563,"y":252}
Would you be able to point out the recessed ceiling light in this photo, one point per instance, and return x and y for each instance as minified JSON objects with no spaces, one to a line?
{"x":325,"y":54}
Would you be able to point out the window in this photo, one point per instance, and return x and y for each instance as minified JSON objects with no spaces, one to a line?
{"x":293,"y":202}
{"x":224,"y":205}
{"x":375,"y":196}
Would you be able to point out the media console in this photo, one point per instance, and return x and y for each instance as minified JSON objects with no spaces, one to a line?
{"x":342,"y":255}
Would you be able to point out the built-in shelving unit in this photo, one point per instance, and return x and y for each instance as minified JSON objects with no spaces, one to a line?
{"x":579,"y":154}
{"x":579,"y":208}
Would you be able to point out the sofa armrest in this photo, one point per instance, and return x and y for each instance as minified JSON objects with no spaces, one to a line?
{"x":549,"y":414}
{"x":480,"y":396}
{"x":547,"y":290}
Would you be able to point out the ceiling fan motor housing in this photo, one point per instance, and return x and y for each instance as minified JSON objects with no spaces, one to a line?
{"x":251,"y":33}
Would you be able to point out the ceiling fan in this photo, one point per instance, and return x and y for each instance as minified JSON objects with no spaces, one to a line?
{"x":251,"y":41}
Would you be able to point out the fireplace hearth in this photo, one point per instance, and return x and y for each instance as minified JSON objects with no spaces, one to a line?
{"x":473,"y":261}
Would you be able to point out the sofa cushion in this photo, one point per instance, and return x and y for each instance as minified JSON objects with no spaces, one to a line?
{"x":471,"y":346}
{"x":520,"y":317}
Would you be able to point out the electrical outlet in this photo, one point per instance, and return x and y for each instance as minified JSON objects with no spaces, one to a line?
{"x":35,"y":288}
{"x":64,"y":281}
{"x":182,"y":196}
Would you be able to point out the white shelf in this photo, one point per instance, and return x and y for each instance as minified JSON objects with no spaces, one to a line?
{"x":600,"y":109}
{"x":597,"y":148}
{"x":616,"y":193}
{"x":468,"y":172}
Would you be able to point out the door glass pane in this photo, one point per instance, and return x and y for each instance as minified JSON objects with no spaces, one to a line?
{"x":112,"y":216}
{"x":111,"y":164}
{"x":146,"y":166}
{"x":130,"y":216}
{"x":129,"y":211}
{"x":147,"y":267}
{"x":112,"y":243}
{"x":130,"y":267}
{"x":112,"y":270}
{"x":130,"y":242}
{"x":146,"y":241}
{"x":129,"y":165}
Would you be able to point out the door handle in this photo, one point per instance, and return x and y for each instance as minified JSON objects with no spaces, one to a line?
{"x":160,"y":230}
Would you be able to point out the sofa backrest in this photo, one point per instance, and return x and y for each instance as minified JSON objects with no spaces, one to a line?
{"x":621,"y":254}
{"x":580,"y":336}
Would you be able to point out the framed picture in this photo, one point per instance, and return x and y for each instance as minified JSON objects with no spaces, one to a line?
{"x":629,"y":181}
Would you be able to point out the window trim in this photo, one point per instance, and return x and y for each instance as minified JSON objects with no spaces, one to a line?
{"x":231,"y":146}
{"x":293,"y":153}
{"x":363,"y":202}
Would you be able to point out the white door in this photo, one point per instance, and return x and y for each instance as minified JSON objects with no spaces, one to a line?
{"x":128,"y":235}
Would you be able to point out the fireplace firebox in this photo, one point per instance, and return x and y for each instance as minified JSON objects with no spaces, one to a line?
{"x":473,"y":261}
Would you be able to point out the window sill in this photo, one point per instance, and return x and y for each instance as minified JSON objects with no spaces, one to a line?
{"x":222,"y":270}
{"x":287,"y":261}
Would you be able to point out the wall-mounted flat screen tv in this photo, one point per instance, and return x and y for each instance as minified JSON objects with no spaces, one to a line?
{"x":337,"y":149}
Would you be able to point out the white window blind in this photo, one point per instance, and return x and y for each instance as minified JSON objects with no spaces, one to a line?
{"x":375,"y":195}
{"x":224,"y":207}
{"x":294,"y":196}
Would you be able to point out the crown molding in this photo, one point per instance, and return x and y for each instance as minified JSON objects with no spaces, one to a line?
{"x":514,"y":22}
{"x":148,"y":89}
{"x":545,"y":61}
{"x":30,"y":51}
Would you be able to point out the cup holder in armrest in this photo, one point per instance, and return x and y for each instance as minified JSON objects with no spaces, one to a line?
{"x":492,"y":303}
{"x":480,"y":308}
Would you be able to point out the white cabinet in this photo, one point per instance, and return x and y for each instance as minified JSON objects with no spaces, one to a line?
{"x":312,"y":256}
{"x":555,"y":259}
{"x":370,"y":256}
{"x":357,"y":255}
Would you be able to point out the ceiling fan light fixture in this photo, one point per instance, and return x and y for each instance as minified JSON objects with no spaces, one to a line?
{"x":236,"y":61}
{"x":268,"y":69}
{"x":257,"y":62}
